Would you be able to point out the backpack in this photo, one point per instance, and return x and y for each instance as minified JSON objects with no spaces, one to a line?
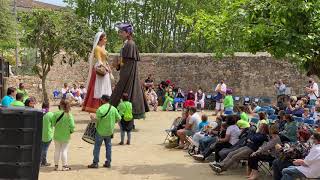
{"x":127,"y":116}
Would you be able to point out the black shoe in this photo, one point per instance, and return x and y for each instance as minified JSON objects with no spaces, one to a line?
{"x":93,"y":166}
{"x":45,"y":164}
{"x":120,"y":143}
{"x":128,"y":142}
{"x":107,"y":165}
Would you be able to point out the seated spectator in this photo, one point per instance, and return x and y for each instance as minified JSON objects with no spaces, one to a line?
{"x":161,"y":91}
{"x":18,"y":102}
{"x":307,"y":167}
{"x":83,"y":92}
{"x":66,"y":92}
{"x":152,"y":98}
{"x":23,"y":91}
{"x":282,"y":120}
{"x":288,"y":153}
{"x":253,"y":144}
{"x":203,"y":127}
{"x":30,"y":102}
{"x":228,"y":102}
{"x":148,"y":83}
{"x":232,"y":137}
{"x":10,"y":97}
{"x":306,"y":113}
{"x":199,"y":98}
{"x":266,"y":152}
{"x":289,"y":134}
{"x":190,"y":100}
{"x":253,"y":108}
{"x":211,"y":135}
{"x":168,"y":99}
{"x":178,"y":99}
{"x":262,"y":120}
{"x":244,"y":120}
{"x":295,"y":109}
{"x":76,"y":92}
{"x":245,"y":134}
{"x":316,"y":114}
{"x":192,"y":126}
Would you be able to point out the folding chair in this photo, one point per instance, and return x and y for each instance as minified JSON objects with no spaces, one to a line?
{"x":256,"y":100}
{"x":174,"y":124}
{"x":265,"y":167}
{"x":298,"y":119}
{"x":266,"y":100}
{"x":246,"y":100}
{"x":237,"y":100}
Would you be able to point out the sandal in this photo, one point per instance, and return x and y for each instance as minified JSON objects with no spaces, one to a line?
{"x":66,"y":168}
{"x":56,"y":167}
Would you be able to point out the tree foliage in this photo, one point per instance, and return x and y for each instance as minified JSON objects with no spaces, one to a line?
{"x":7,"y":23}
{"x":53,"y":33}
{"x":285,"y":29}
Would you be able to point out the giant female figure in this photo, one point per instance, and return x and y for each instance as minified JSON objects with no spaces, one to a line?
{"x":97,"y":84}
{"x":129,"y":81}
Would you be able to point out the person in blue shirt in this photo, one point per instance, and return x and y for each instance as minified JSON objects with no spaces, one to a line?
{"x":9,"y":98}
{"x":204,"y":121}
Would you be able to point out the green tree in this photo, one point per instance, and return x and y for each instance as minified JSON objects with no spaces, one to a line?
{"x":7,"y":23}
{"x":285,"y":29}
{"x":52,"y":33}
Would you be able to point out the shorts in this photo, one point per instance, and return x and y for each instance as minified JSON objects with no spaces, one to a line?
{"x":219,"y":106}
{"x":188,"y":132}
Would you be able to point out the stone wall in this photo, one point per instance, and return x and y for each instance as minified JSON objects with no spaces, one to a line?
{"x":247,"y":74}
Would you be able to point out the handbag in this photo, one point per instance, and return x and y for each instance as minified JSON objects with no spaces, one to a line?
{"x":101,"y":70}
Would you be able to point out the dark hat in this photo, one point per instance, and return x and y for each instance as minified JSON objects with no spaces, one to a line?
{"x":125,"y":27}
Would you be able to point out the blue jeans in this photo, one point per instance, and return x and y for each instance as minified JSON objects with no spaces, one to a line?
{"x":97,"y":145}
{"x":291,"y":173}
{"x":123,"y":133}
{"x":44,"y":151}
{"x":205,"y":142}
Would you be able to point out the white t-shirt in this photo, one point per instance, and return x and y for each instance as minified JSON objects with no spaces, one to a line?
{"x":223,"y":87}
{"x":195,"y":120}
{"x":312,"y":161}
{"x":315,"y":94}
{"x":234,"y":133}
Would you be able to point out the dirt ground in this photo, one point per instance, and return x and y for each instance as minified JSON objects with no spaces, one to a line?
{"x":145,"y":158}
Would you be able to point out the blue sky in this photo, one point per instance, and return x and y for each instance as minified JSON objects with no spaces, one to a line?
{"x":56,"y":2}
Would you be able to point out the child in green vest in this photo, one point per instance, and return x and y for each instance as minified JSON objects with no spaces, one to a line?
{"x":228,"y":102}
{"x":47,"y":133}
{"x":18,"y":102}
{"x":63,"y":124}
{"x":126,"y":123}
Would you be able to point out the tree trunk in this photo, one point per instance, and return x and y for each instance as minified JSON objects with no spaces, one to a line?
{"x":44,"y":89}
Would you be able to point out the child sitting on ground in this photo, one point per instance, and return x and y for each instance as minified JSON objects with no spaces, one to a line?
{"x":152,"y":98}
{"x":126,"y":123}
{"x":204,"y":121}
{"x":190,"y":100}
{"x":178,"y":99}
{"x":169,"y":99}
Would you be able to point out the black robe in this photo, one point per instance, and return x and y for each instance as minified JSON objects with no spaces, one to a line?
{"x":129,"y":81}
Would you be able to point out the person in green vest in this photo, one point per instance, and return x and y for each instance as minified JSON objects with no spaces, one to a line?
{"x":63,"y":123}
{"x":169,"y":97}
{"x":23,"y":91}
{"x":47,"y":133}
{"x":106,"y":118}
{"x":18,"y":102}
{"x":228,"y":102}
{"x":126,"y":123}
